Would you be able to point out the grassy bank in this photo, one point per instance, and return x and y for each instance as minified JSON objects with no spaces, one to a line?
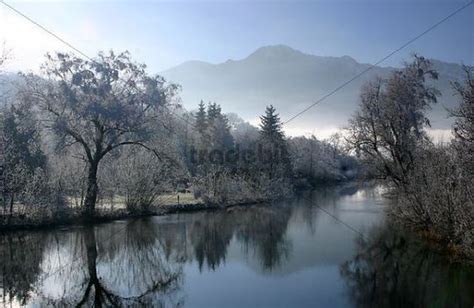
{"x":24,"y":218}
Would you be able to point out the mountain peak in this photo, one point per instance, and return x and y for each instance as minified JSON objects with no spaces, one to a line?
{"x":348,"y":58}
{"x":275,"y":51}
{"x":291,"y":80}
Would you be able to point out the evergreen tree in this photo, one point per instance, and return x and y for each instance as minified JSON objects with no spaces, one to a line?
{"x":218,"y":128}
{"x":223,"y":137}
{"x":202,"y":126}
{"x":276,"y":160}
{"x":271,"y":127}
{"x":212,"y":112}
{"x":201,"y":121}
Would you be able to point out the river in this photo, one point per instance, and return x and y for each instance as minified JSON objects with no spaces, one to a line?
{"x":326,"y":248}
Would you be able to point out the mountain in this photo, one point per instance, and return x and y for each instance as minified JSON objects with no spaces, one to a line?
{"x":291,"y":80}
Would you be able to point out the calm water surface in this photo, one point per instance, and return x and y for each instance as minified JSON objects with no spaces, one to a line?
{"x":293,"y":254}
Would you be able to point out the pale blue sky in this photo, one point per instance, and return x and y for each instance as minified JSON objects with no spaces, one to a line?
{"x":164,"y":34}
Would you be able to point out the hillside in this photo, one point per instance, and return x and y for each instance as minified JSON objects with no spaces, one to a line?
{"x":291,"y":80}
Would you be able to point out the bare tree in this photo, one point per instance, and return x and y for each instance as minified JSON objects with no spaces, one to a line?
{"x":431,"y":185}
{"x":140,"y":178}
{"x":101,"y":105}
{"x":389,"y":125}
{"x":464,"y":125}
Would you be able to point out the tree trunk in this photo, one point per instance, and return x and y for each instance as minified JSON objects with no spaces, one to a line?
{"x":91,"y":249}
{"x":94,"y":282}
{"x":92,"y":188}
{"x":12,"y":201}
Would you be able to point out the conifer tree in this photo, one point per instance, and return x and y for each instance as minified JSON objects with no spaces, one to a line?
{"x":222,"y":134}
{"x":201,"y":121}
{"x":271,"y":127}
{"x":218,"y":128}
{"x":275,"y":149}
{"x":212,"y":111}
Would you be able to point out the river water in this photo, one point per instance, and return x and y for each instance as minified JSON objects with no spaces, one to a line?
{"x":326,"y":248}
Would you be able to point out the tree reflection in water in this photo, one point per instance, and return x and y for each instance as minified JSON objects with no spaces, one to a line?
{"x":210,"y":238}
{"x":142,"y":262}
{"x":263,"y":230}
{"x":260,"y":229}
{"x":20,"y":258}
{"x":128,"y":270}
{"x":134,"y":263}
{"x":393,"y":270}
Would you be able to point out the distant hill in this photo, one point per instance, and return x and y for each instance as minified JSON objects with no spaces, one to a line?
{"x":291,"y":80}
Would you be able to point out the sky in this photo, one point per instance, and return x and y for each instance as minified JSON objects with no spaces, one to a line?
{"x":163,"y":34}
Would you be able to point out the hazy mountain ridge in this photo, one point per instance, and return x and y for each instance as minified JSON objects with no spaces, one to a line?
{"x":291,"y":80}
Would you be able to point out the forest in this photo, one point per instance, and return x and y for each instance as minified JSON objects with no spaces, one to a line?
{"x":91,"y":139}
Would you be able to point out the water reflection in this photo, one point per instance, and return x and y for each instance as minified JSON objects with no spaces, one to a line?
{"x":391,"y":269}
{"x":284,"y":255}
{"x":210,"y":237}
{"x":20,"y":258}
{"x":97,"y":269}
{"x":266,"y":238}
{"x":136,"y":262}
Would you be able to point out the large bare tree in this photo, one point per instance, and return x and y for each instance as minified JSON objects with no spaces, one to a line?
{"x":389,"y":125}
{"x":100,"y":105}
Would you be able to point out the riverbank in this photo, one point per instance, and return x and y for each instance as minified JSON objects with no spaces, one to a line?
{"x":73,"y":216}
{"x":275,"y":247}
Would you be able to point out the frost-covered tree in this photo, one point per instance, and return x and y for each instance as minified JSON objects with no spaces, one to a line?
{"x":99,"y":105}
{"x":218,"y":128}
{"x":275,"y":156}
{"x":316,"y":161}
{"x":271,"y":127}
{"x":431,"y":187}
{"x":464,"y":128}
{"x":464,"y":115}
{"x":389,"y":125}
{"x":22,"y":153}
{"x":200,"y":118}
{"x":139,"y":177}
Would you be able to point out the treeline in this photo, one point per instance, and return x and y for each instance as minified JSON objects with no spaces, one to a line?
{"x":104,"y":132}
{"x":431,"y":184}
{"x":231,"y":160}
